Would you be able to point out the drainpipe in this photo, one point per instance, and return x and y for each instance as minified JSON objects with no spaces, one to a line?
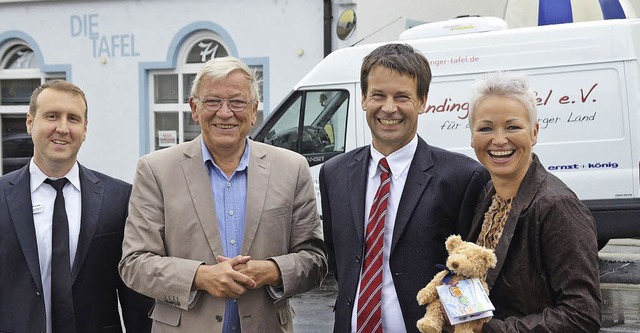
{"x":327,"y":26}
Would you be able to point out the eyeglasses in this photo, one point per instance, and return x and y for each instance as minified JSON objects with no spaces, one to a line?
{"x":214,"y":104}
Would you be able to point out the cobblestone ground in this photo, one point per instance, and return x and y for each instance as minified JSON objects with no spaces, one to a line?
{"x":619,"y":274}
{"x":314,"y":310}
{"x":620,"y":278}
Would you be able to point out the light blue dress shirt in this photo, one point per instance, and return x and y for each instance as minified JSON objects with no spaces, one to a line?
{"x":230,"y":198}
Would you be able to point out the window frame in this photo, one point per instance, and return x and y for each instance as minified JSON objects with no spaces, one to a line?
{"x":181,"y":68}
{"x":19,"y":110}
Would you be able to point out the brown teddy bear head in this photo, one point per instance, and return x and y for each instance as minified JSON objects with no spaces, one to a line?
{"x":468,"y":259}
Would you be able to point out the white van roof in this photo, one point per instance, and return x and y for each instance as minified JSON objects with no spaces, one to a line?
{"x":456,"y":26}
{"x":531,"y":47}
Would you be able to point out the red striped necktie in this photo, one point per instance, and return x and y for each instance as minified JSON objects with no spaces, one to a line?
{"x":369,"y":317}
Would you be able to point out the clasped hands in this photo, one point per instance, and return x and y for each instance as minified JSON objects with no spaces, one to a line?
{"x":232,"y":277}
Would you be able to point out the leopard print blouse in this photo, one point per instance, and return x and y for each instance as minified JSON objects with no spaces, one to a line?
{"x":494,"y":221}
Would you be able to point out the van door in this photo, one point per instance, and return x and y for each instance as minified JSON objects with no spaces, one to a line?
{"x":584,"y":130}
{"x":314,"y":123}
{"x":584,"y":136}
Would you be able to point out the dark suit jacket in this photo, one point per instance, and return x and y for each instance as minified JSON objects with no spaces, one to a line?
{"x":547,"y":277}
{"x":95,"y":275}
{"x":438,"y":200}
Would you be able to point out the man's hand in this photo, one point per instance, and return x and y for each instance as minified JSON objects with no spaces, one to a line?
{"x":221,"y":280}
{"x":263,"y":272}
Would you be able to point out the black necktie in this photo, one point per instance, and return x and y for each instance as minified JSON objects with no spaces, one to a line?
{"x":62,"y":317}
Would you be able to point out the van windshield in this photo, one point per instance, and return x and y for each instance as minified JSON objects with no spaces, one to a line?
{"x":312,"y":123}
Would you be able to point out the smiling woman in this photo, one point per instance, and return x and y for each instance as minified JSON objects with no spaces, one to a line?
{"x":546,"y":278}
{"x":503,"y":137}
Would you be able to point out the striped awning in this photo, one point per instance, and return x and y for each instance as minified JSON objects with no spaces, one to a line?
{"x":525,"y":13}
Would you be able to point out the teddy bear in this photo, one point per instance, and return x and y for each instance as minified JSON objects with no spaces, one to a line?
{"x":466,"y":260}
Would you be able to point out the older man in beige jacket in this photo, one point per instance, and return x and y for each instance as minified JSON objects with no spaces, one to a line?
{"x":180,"y":247}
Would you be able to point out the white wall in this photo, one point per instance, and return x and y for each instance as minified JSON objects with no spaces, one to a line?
{"x":276,"y":30}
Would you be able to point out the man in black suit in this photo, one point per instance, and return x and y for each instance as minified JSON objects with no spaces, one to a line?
{"x":432,"y":194}
{"x":95,"y":207}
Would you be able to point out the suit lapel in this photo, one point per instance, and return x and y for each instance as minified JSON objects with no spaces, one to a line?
{"x":416,"y":184}
{"x":526,"y":193}
{"x":507,"y":233}
{"x":258,"y":181}
{"x":503,"y":243}
{"x":478,"y":216}
{"x":92,"y":196}
{"x":199,"y":186}
{"x":18,"y":199}
{"x":358,"y":173}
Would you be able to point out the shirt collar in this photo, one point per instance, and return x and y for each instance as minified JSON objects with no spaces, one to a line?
{"x":399,"y":160}
{"x":208,"y":159}
{"x":38,"y":177}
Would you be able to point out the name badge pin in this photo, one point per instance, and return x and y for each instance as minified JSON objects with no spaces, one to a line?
{"x":38,"y":208}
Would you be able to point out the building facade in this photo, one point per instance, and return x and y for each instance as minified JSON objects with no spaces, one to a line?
{"x":135,"y":59}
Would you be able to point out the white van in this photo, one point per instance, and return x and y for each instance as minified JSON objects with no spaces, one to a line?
{"x":586,"y":77}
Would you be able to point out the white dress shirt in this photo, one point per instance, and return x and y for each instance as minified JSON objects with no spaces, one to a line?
{"x":399,"y":162}
{"x":43,"y":197}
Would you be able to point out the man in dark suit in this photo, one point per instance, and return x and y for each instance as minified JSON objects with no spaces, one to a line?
{"x":429,"y":194}
{"x":94,"y":211}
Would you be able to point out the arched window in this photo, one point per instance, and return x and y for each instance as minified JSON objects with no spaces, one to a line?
{"x":20,"y":74}
{"x":19,"y":56}
{"x":171,"y":120}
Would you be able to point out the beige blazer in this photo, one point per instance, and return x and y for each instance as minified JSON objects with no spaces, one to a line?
{"x":172,"y":229}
